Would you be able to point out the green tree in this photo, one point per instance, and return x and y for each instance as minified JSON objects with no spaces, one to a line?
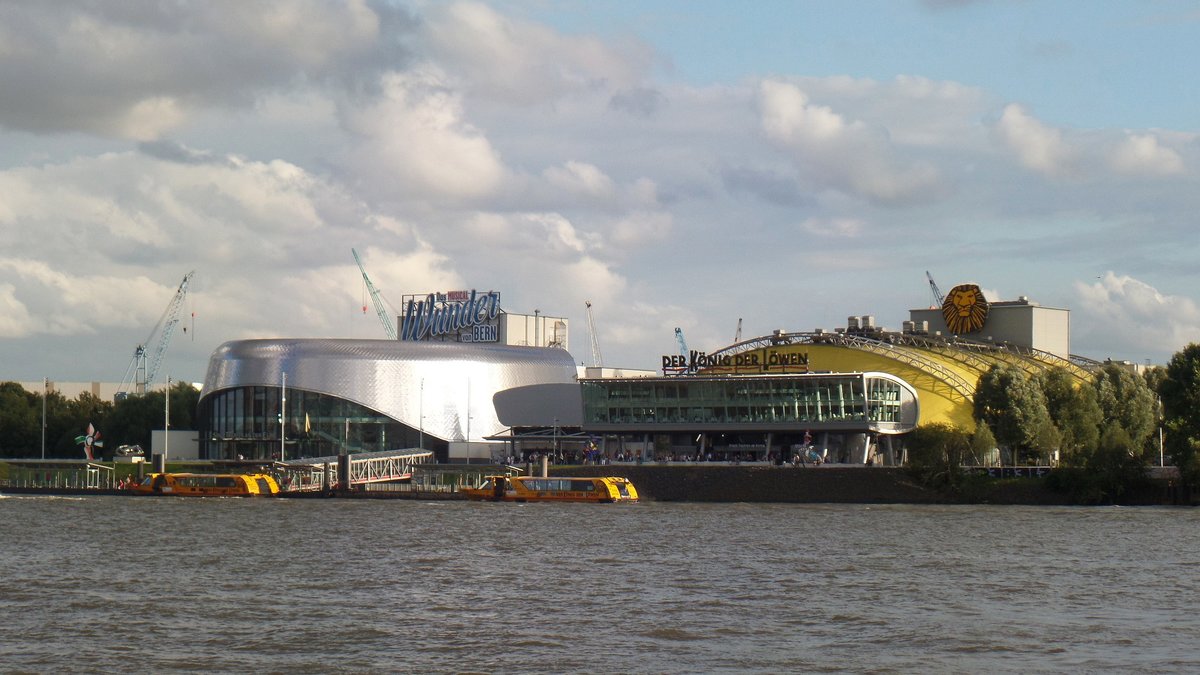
{"x":936,"y":453}
{"x":1180,"y":392}
{"x":62,"y":426}
{"x":983,"y":444}
{"x":1154,"y":378}
{"x":1126,"y":400}
{"x":134,"y":417}
{"x":1105,"y":473}
{"x":1014,"y":407}
{"x":20,"y":421}
{"x":1074,"y":410}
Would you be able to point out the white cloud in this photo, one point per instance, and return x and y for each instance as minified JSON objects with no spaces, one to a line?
{"x":269,"y":241}
{"x":414,"y":141}
{"x":846,"y":155}
{"x":642,"y":228}
{"x":523,"y":62}
{"x":788,"y":116}
{"x":1132,"y":320}
{"x":71,"y":300}
{"x":1037,"y":146}
{"x":848,"y":228}
{"x":139,"y":70}
{"x":580,"y":178}
{"x":1142,"y":154}
{"x":15,"y":320}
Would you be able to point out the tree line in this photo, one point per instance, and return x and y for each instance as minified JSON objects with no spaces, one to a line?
{"x":1102,"y":434}
{"x":125,"y":422}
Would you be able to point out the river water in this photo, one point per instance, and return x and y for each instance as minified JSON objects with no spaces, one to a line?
{"x":118,"y":584}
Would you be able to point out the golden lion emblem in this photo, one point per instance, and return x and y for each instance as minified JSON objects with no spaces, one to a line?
{"x":965,"y":309}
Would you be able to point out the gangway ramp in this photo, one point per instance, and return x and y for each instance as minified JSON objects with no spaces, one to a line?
{"x":364,"y":467}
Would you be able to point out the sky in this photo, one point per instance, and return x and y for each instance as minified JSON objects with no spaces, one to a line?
{"x":675,"y":163}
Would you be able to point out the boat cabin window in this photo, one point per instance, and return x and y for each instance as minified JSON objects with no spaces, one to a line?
{"x":207,"y":481}
{"x":559,"y":485}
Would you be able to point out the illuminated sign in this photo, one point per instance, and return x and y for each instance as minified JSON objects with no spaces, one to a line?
{"x":965,"y":309}
{"x":467,"y":316}
{"x":762,"y":361}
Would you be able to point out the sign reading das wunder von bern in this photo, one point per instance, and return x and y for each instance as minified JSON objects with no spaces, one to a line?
{"x":762,"y":361}
{"x":465,"y":316}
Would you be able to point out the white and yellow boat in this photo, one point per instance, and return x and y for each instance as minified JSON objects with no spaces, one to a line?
{"x":208,"y":485}
{"x":602,"y":489}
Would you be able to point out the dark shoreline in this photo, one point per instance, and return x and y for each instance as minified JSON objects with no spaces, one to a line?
{"x":832,"y":484}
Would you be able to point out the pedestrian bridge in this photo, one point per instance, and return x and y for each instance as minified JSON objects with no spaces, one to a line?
{"x":384,"y":466}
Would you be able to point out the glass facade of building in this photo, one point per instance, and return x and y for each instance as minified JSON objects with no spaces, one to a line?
{"x":353,"y":395}
{"x":244,"y":423}
{"x":855,"y":401}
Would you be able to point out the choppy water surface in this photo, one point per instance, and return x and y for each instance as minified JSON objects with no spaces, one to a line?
{"x":229,"y":585}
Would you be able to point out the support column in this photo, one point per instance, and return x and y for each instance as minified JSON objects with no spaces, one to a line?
{"x":344,"y":473}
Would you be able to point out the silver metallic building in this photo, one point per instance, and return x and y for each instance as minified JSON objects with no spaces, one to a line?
{"x":361,"y":395}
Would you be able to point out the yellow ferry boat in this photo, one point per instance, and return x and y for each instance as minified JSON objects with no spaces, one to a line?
{"x":604,"y":489}
{"x":207,"y":485}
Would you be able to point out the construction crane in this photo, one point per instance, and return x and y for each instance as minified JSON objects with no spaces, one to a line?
{"x":143,"y":368}
{"x":937,"y":294}
{"x":737,"y":337}
{"x":597,"y":359}
{"x":388,"y":326}
{"x":683,"y":350}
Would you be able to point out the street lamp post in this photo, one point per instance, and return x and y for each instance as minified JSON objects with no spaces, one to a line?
{"x":468,"y":420}
{"x":45,"y":386}
{"x":166,"y":422}
{"x":282,"y":415}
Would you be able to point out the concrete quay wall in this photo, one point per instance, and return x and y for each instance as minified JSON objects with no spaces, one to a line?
{"x":729,"y":483}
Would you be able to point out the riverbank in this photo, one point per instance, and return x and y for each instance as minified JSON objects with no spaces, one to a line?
{"x":832,"y":484}
{"x":829,"y":484}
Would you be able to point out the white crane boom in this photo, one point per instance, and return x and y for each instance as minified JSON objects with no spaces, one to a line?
{"x":683,"y":349}
{"x":597,"y":359}
{"x":146,"y":368}
{"x":379,"y":310}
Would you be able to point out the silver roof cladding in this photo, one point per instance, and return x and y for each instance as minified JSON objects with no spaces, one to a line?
{"x":449,"y":384}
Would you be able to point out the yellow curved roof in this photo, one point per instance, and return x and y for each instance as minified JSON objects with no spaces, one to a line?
{"x":944,"y":373}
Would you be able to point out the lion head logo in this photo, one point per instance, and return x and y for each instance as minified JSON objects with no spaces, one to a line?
{"x":964,"y":309}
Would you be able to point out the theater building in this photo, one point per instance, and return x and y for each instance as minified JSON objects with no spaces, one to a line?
{"x":851,"y":392}
{"x":431,"y":389}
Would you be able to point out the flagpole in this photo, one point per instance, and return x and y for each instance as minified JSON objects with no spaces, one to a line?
{"x":45,"y":386}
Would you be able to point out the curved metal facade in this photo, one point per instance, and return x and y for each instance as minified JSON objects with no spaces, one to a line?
{"x":444,"y":388}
